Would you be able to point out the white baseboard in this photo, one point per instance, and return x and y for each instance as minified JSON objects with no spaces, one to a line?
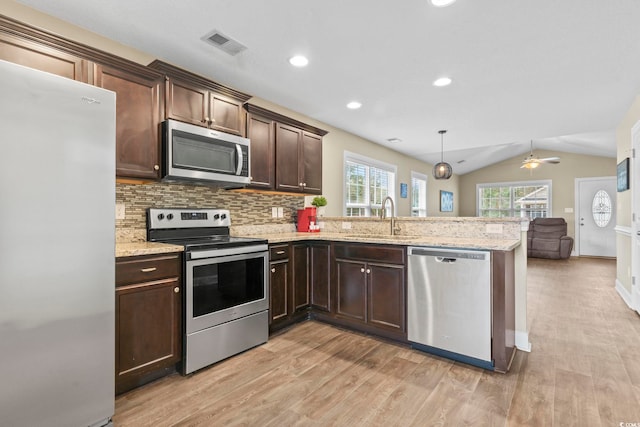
{"x":522,"y":341}
{"x":626,"y":296}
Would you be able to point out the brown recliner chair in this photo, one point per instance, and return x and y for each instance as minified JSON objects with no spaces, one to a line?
{"x":547,"y":238}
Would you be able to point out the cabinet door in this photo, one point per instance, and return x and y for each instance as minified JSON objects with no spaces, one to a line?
{"x":148,"y":332}
{"x":187,"y":103}
{"x":43,"y":58}
{"x":319,"y":274}
{"x":261,"y":133}
{"x":226,"y":114}
{"x":279,"y":286}
{"x":138,"y":115}
{"x":312,"y":163}
{"x":351,"y":289}
{"x":300,"y":276}
{"x":386,"y":300}
{"x":287,"y":158}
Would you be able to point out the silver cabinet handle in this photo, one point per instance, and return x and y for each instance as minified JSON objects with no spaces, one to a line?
{"x":279,"y":252}
{"x":273,"y":270}
{"x":176,"y":289}
{"x":156,"y":167}
{"x":148,"y":270}
{"x":362,"y":270}
{"x":368,"y":270}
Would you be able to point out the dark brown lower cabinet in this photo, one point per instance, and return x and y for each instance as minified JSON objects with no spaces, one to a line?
{"x":279,"y":286}
{"x":299,"y":281}
{"x":369,"y":284}
{"x":148,"y":319}
{"x":319,"y":275}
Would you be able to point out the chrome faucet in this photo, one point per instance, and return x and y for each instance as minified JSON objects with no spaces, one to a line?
{"x":383,"y":213}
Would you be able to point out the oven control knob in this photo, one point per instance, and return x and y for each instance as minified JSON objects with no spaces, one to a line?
{"x":160,"y":216}
{"x":216,"y":217}
{"x":169,"y":216}
{"x":224,"y":216}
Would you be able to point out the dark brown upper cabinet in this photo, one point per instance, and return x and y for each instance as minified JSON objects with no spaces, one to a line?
{"x":139,"y":105}
{"x":286,"y":155}
{"x":193,"y":99}
{"x":261,"y":133}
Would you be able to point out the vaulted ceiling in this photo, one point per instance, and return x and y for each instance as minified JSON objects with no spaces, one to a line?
{"x":560,"y":73}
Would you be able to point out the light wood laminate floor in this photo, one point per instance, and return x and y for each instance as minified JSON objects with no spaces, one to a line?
{"x":584,"y":370}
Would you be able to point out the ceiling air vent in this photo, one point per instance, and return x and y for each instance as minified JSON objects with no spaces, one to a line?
{"x":224,"y":42}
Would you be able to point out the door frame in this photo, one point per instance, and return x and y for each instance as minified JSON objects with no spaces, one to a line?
{"x":576,"y":221}
{"x":635,"y":221}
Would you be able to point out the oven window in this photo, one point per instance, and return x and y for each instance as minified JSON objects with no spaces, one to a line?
{"x":227,"y":284}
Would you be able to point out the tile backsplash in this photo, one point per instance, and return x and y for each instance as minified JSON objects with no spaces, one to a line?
{"x":246,"y":208}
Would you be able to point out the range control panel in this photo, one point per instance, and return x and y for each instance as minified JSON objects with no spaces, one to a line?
{"x":158,"y":218}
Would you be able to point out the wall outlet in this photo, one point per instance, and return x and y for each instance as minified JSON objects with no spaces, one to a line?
{"x":120,"y":211}
{"x":568,"y":210}
{"x":280,"y":212}
{"x":274,"y":212}
{"x":494,"y":228}
{"x":346,"y":226}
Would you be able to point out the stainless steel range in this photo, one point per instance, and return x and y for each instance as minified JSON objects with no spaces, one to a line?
{"x":226,"y":283}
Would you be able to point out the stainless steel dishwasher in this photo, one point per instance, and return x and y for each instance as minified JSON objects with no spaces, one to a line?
{"x":449,"y":303}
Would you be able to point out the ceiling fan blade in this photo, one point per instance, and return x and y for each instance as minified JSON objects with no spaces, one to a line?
{"x":552,"y":160}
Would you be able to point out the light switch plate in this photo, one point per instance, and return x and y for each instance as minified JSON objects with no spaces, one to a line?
{"x":274,"y":212}
{"x":568,"y":210}
{"x":120,"y":211}
{"x":280,"y":212}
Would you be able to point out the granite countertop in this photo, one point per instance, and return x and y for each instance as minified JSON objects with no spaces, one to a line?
{"x":438,"y":241}
{"x":145,"y":248}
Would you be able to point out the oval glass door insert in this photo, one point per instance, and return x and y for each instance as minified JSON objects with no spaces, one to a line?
{"x":601,"y":208}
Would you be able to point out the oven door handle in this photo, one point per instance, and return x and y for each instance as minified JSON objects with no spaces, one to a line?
{"x":216,"y":253}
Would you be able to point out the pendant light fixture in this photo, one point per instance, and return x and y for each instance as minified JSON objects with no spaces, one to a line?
{"x":442,"y":170}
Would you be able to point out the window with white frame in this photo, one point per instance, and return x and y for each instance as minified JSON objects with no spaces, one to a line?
{"x":367,"y":182}
{"x":418,"y":194}
{"x":531,"y":199}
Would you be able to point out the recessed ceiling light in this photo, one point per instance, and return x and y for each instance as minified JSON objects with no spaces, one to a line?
{"x":442,"y":81}
{"x":299,"y":61}
{"x":354,"y":105}
{"x":394,"y":140}
{"x":442,"y":3}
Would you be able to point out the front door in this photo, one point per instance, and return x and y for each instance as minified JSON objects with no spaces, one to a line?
{"x":596,"y":217}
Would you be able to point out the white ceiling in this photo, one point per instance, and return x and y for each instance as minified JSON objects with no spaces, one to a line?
{"x":562,"y":73}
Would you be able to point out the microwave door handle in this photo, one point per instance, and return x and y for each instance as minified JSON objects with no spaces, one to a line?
{"x":240,"y":159}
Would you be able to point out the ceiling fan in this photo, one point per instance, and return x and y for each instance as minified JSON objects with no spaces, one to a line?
{"x":532,"y":162}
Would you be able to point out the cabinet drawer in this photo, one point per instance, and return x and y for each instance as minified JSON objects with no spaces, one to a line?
{"x":366,"y":252}
{"x":147,"y":268}
{"x":278,"y":252}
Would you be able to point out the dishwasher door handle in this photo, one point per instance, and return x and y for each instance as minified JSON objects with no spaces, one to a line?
{"x":445,"y":260}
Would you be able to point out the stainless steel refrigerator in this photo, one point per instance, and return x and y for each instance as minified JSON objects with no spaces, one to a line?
{"x":57,"y":245}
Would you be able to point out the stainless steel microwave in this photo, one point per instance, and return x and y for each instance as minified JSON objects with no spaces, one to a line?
{"x":204,"y":156}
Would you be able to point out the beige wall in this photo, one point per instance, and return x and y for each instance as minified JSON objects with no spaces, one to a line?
{"x":334,"y":144}
{"x":562,"y":176}
{"x":623,"y":138}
